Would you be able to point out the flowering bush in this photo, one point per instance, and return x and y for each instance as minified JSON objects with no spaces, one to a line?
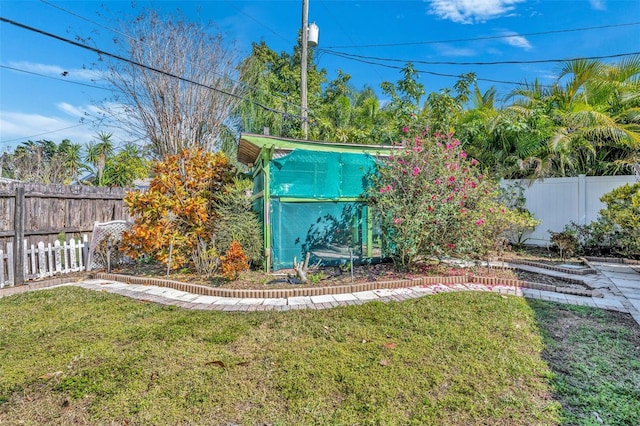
{"x":433,"y":201}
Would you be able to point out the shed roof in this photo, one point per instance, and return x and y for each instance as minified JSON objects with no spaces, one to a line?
{"x":251,"y":145}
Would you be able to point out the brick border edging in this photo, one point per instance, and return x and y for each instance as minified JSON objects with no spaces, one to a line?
{"x":347,"y":288}
{"x":613,"y":260}
{"x":570,"y":271}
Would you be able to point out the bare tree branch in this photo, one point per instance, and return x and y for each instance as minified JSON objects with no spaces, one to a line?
{"x":188,"y":96}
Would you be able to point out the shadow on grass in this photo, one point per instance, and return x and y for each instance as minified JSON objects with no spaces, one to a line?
{"x":595,"y":357}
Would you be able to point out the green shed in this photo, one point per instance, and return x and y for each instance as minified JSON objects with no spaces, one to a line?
{"x":309,"y":198}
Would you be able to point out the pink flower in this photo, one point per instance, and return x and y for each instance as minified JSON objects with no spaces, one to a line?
{"x":463,"y":154}
{"x":433,"y":197}
{"x":405,"y":129}
{"x":430,"y":208}
{"x":474,"y":161}
{"x":452,"y":178}
{"x":449,"y":146}
{"x":397,"y":220}
{"x":479,"y":222}
{"x":451,"y":246}
{"x":438,"y":181}
{"x":416,"y":171}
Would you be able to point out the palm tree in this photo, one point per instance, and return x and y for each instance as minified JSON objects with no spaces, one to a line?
{"x":72,"y":158}
{"x":588,"y":122}
{"x":97,"y":154}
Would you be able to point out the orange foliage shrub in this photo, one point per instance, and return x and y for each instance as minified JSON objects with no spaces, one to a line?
{"x":177,"y":209}
{"x":234,"y":261}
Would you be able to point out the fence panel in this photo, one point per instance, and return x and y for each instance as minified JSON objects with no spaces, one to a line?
{"x":41,"y":261}
{"x":559,"y":201}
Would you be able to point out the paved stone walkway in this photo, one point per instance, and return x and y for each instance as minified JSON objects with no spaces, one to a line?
{"x":619,"y":284}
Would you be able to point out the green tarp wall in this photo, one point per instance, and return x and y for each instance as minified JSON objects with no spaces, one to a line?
{"x":315,"y":205}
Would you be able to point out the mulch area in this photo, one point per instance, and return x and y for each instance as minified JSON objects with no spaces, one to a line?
{"x":336,"y":276}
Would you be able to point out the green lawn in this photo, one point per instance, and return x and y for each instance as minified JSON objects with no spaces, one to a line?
{"x":70,"y":355}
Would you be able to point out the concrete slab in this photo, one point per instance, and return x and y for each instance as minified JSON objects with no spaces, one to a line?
{"x":384,"y":292}
{"x":299,"y":300}
{"x":274,"y":302}
{"x":322,"y":299}
{"x":532,"y":293}
{"x":344,"y":297}
{"x":366,"y":295}
{"x":227,"y":301}
{"x":206,"y":299}
{"x":635,"y":303}
{"x":186,"y":297}
{"x":607,"y":303}
{"x":251,"y":301}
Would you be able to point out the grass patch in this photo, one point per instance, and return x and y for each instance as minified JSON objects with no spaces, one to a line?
{"x":595,"y":355}
{"x":70,"y":355}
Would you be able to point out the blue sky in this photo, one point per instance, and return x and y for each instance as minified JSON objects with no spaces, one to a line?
{"x":38,"y":102}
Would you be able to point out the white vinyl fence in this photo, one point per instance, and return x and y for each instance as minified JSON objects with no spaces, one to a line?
{"x":559,"y":201}
{"x":44,"y":260}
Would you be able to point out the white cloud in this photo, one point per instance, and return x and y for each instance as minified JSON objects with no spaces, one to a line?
{"x":598,"y":4}
{"x":77,"y":74}
{"x":471,"y":11}
{"x":517,"y":41}
{"x":80,"y":124}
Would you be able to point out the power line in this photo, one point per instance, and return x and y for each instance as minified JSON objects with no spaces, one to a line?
{"x":535,"y":61}
{"x":147,"y":67}
{"x":259,"y":22}
{"x":437,"y":74}
{"x":330,"y":12}
{"x":137,"y":41}
{"x":60,"y":130}
{"x":57,"y":78}
{"x":483,"y":38}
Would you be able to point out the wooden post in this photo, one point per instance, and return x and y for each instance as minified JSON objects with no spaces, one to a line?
{"x":18,"y":238}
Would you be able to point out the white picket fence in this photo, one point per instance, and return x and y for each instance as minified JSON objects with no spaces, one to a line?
{"x":44,"y":261}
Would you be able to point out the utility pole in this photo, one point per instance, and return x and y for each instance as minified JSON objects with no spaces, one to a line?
{"x":303,"y":68}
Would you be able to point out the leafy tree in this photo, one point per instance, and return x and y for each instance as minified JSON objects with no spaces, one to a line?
{"x":43,"y":161}
{"x":347,"y":115}
{"x":272,"y":85}
{"x":622,"y":214}
{"x":127,"y":165}
{"x":588,"y":122}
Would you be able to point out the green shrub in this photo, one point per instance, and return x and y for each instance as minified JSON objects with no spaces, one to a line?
{"x":565,"y":241}
{"x":238,"y":222}
{"x":622,"y":216}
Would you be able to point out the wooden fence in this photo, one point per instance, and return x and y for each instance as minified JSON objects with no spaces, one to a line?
{"x":30,"y":213}
{"x":41,"y":261}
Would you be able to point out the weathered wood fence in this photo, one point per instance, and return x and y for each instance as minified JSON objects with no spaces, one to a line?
{"x":41,"y":261}
{"x":30,"y":213}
